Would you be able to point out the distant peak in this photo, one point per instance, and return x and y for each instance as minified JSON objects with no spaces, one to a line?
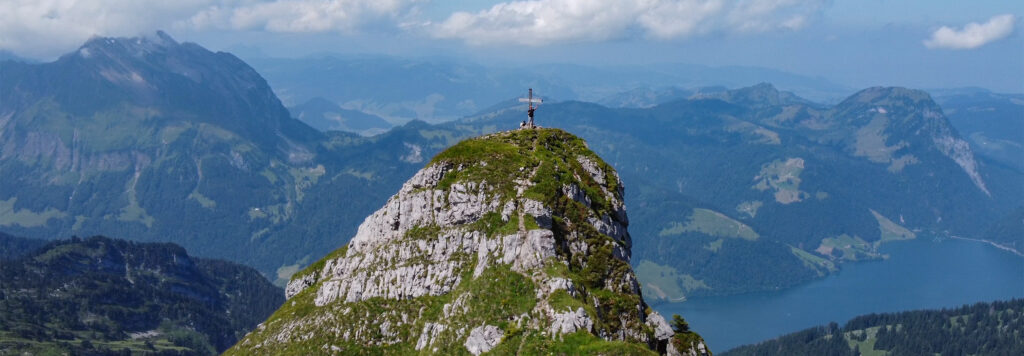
{"x":758,"y":96}
{"x":763,"y":87}
{"x":156,"y":42}
{"x":165,"y":38}
{"x":875,"y":94}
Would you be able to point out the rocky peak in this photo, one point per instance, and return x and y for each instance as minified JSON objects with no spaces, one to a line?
{"x":151,"y":82}
{"x":898,"y":125}
{"x":514,"y":242}
{"x":877,"y":95}
{"x":110,"y":47}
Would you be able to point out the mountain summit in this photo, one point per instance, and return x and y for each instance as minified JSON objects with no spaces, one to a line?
{"x":155,"y":139}
{"x":514,"y":242}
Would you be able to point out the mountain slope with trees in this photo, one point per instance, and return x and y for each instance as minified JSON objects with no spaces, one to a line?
{"x":982,"y":329}
{"x":101,"y":296}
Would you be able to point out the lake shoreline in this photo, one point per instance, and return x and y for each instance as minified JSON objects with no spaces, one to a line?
{"x":926,"y":273}
{"x":996,"y":245}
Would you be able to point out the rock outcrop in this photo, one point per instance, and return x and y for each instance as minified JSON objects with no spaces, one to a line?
{"x":515,"y":242}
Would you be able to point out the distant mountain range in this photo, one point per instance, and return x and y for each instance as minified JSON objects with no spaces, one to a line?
{"x":325,"y":115}
{"x":440,"y":89}
{"x":732,"y":190}
{"x":101,"y":296}
{"x":992,"y":122}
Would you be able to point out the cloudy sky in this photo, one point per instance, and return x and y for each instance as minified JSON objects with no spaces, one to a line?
{"x":916,"y":43}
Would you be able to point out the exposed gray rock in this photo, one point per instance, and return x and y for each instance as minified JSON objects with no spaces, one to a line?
{"x":508,"y":210}
{"x":960,"y":152}
{"x":606,"y":225}
{"x":555,"y":284}
{"x":483,"y":338}
{"x":593,"y":169}
{"x":662,"y":331}
{"x":539,"y":245}
{"x":570,"y":322}
{"x":574,"y":192}
{"x":430,"y":332}
{"x":538,"y":211}
{"x":363,"y":275}
{"x":296,"y":285}
{"x":672,"y":351}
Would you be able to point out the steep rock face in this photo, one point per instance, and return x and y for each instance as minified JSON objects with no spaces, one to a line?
{"x":515,"y":242}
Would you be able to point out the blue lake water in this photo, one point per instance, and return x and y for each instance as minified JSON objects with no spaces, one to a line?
{"x":921,"y":274}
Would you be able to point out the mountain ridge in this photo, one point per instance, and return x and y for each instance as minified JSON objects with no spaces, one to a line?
{"x":499,"y":242}
{"x":326,"y":115}
{"x":128,"y":136}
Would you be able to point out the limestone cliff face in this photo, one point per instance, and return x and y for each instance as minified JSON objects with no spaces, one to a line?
{"x":514,"y":242}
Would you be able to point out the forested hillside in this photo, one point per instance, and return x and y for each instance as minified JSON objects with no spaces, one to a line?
{"x":995,"y":328}
{"x":102,"y":296}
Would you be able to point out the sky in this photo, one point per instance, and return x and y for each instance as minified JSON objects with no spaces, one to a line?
{"x":858,"y":43}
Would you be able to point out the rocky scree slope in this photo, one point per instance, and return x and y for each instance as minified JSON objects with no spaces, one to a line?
{"x":514,"y":242}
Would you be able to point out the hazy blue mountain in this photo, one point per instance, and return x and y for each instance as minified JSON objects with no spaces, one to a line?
{"x":993,"y":123}
{"x":644,"y":97}
{"x":6,"y":55}
{"x":446,"y":89}
{"x":980,"y":329}
{"x":760,"y":96}
{"x":325,"y":115}
{"x":595,"y":83}
{"x":401,"y":89}
{"x":102,"y":295}
{"x":163,"y":141}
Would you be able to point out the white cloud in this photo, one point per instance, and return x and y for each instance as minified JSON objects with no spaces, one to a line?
{"x":300,"y":15}
{"x":41,"y":27}
{"x":972,"y":35}
{"x":45,"y":28}
{"x":540,"y":22}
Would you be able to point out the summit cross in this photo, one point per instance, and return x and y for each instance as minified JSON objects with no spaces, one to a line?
{"x":531,"y":100}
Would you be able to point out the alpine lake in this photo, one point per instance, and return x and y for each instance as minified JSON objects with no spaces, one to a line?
{"x":925,"y":273}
